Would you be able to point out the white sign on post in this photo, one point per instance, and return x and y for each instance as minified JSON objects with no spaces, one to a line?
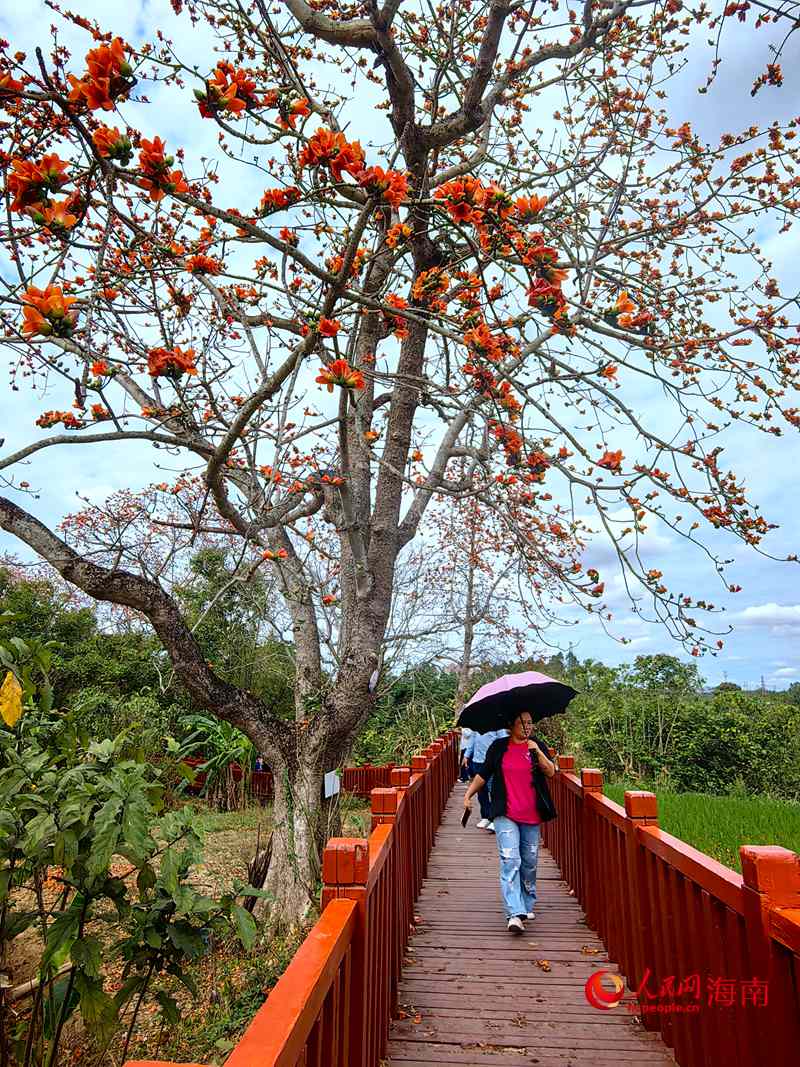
{"x":332,"y":784}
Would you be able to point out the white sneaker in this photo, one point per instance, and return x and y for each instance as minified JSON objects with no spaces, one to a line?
{"x":482,"y":824}
{"x":515,"y":925}
{"x":530,"y":915}
{"x":490,"y":827}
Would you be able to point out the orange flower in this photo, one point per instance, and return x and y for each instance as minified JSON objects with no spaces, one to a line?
{"x":429,"y":283}
{"x":170,"y":362}
{"x":328,"y":599}
{"x":109,"y":76}
{"x":280,"y":554}
{"x":341,"y":373}
{"x":99,"y":412}
{"x":99,"y":367}
{"x":609,"y":372}
{"x":397,"y":322}
{"x":389,"y":185}
{"x":612,"y":461}
{"x":397,"y":233}
{"x":329,"y":327}
{"x":47,"y":312}
{"x":528,"y":207}
{"x":275,"y":199}
{"x":154,"y":165}
{"x":55,"y":216}
{"x":53,"y":418}
{"x":9,"y":87}
{"x":201,"y":264}
{"x":545,"y":296}
{"x":228,"y":89}
{"x":326,"y":148}
{"x":28,"y":183}
{"x":463,"y":198}
{"x":111,"y":144}
{"x":291,"y":112}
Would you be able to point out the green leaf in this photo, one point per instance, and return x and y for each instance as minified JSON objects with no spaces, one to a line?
{"x":245,"y":925}
{"x":146,"y":879}
{"x":97,"y":1008}
{"x":186,"y":939}
{"x":86,"y":954}
{"x":153,"y":937}
{"x":106,"y":835}
{"x":169,"y":1008}
{"x":61,"y":934}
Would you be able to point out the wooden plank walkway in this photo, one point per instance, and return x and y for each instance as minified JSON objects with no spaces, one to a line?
{"x":472,"y":994}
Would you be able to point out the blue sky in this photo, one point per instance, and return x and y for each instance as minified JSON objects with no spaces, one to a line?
{"x":766,"y":614}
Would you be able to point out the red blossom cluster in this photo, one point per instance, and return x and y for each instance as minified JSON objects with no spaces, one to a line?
{"x":499,"y":222}
{"x":229,"y":90}
{"x":334,"y":151}
{"x":388,"y":185}
{"x":46,"y":312}
{"x":202,"y":264}
{"x":397,"y":233}
{"x":396,"y":323}
{"x":108,"y":77}
{"x":158,"y":179}
{"x":30,"y":185}
{"x":170,"y":362}
{"x":611,"y":461}
{"x":111,"y":144}
{"x":625,"y":314}
{"x":339,"y":372}
{"x":290,"y":108}
{"x":429,"y":285}
{"x":55,"y":418}
{"x":276,"y":199}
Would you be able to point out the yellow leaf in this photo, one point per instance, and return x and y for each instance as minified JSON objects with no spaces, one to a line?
{"x":11,"y":700}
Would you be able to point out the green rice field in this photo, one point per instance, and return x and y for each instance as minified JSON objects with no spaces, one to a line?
{"x":719,"y":825}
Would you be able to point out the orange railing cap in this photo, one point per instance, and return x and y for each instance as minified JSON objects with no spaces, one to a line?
{"x":345,"y":861}
{"x":384,"y":801}
{"x":639,"y":804}
{"x":774,"y":871}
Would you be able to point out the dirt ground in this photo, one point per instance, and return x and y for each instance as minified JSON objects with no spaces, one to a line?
{"x":231,"y":982}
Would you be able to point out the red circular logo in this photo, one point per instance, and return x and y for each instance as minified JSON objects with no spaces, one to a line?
{"x":597,"y":994}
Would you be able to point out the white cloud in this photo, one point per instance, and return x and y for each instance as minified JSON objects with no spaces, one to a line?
{"x":772,"y":614}
{"x":787,"y":672}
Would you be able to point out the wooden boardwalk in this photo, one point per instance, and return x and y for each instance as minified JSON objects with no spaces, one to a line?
{"x":472,"y":994}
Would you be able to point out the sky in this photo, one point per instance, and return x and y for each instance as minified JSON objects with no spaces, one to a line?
{"x":765,"y":615}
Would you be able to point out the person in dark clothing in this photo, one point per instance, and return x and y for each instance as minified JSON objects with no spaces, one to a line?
{"x":519,"y":766}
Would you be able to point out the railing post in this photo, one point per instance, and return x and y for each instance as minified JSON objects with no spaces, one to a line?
{"x":771,"y":881}
{"x":345,"y":871}
{"x":641,"y":809}
{"x":591,"y":782}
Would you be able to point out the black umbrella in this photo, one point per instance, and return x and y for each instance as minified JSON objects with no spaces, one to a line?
{"x":498,"y":703}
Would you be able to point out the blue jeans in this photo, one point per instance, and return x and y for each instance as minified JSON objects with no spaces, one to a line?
{"x":484,"y":795}
{"x":518,"y":845}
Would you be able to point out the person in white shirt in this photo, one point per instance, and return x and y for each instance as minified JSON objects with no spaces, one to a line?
{"x":477,"y":747}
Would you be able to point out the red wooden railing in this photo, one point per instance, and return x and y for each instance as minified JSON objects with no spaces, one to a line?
{"x":667,"y":912}
{"x":357,"y":780}
{"x":333,"y":1005}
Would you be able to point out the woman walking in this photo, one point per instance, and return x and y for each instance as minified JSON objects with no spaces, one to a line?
{"x":519,"y":767}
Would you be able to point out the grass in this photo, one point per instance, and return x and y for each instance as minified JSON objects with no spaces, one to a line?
{"x":719,"y":825}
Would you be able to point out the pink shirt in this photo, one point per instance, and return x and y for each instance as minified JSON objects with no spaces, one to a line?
{"x":517,"y":768}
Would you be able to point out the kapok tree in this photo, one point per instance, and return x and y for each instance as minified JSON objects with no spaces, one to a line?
{"x":463,"y":274}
